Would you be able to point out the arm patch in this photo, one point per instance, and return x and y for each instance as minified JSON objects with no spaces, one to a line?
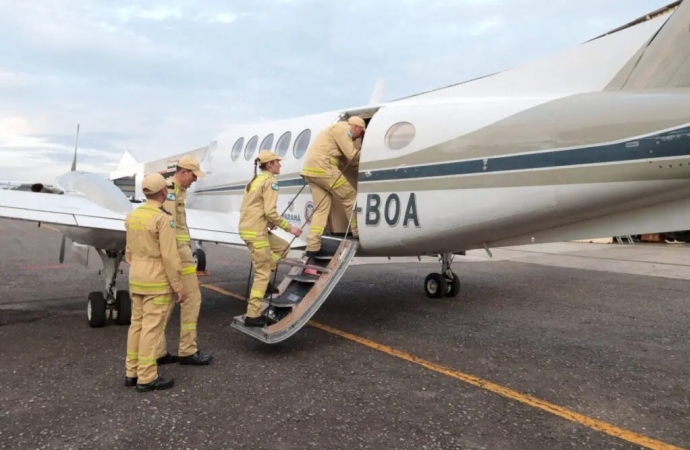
{"x":171,"y":196}
{"x":172,"y":224}
{"x":274,"y":186}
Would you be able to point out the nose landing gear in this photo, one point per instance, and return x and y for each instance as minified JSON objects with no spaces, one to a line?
{"x":444,"y":284}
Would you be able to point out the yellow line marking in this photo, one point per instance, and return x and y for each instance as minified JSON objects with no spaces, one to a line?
{"x":223,"y":291}
{"x":565,"y":413}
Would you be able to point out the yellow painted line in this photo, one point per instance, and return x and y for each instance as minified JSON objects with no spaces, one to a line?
{"x":223,"y":291}
{"x":43,"y":225}
{"x":534,"y":402}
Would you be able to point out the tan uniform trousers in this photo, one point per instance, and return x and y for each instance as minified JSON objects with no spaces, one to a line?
{"x":343,"y":191}
{"x":189,"y":309}
{"x":265,"y":254}
{"x":145,"y":334}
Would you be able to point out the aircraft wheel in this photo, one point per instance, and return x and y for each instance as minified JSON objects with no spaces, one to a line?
{"x":199,"y":260}
{"x":435,"y":285}
{"x":96,"y":309}
{"x":123,"y":303}
{"x":453,"y":286}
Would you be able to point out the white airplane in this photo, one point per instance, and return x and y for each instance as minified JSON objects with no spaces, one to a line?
{"x":591,"y":142}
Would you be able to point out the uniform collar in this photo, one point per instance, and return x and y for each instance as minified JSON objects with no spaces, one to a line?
{"x":267,"y":173}
{"x":177,"y":184}
{"x":154,"y":203}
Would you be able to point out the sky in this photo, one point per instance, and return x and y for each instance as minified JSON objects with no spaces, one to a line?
{"x":159,"y":78}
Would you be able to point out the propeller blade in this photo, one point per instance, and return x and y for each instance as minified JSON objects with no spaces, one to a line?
{"x":76,"y":144}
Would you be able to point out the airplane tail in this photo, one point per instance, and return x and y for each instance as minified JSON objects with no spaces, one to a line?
{"x":664,"y":60}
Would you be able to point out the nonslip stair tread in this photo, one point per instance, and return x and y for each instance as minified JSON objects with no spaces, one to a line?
{"x":303,"y":277}
{"x":299,"y":263}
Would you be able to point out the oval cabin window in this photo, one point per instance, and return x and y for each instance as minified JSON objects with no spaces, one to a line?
{"x":236,"y":149}
{"x":267,"y":143}
{"x":283,"y":144}
{"x":301,"y":144}
{"x":400,"y":135}
{"x":251,"y":146}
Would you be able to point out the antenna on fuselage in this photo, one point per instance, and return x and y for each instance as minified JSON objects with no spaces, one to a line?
{"x":73,"y":168}
{"x":74,"y":159}
{"x":377,"y":94}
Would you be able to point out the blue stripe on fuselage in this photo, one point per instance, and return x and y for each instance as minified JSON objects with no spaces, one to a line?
{"x":673,"y":143}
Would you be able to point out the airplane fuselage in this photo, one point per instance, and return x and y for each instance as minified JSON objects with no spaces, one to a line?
{"x":481,"y":171}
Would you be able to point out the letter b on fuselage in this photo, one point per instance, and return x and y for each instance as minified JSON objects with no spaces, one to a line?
{"x":392,"y":211}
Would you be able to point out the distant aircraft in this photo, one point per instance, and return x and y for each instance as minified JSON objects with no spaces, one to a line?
{"x":591,"y":142}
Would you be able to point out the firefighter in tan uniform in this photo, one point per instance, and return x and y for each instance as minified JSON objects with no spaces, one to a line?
{"x":154,"y":279}
{"x":257,"y":214}
{"x":321,"y":171}
{"x":187,"y":172}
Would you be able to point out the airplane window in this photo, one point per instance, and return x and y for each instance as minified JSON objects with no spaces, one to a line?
{"x":251,"y":146}
{"x":267,"y":143}
{"x":283,"y":144}
{"x":400,"y":135}
{"x":301,"y":144}
{"x":236,"y":149}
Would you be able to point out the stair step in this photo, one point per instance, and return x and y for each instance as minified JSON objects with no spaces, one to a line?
{"x":299,"y":263}
{"x":300,"y":300}
{"x":303,"y":277}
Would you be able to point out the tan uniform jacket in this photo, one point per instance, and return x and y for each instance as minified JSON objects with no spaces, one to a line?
{"x":151,"y":251}
{"x":175,"y":203}
{"x":258,"y":210}
{"x":330,"y":146}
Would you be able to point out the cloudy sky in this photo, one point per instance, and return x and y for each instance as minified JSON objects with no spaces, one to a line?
{"x":165,"y":77}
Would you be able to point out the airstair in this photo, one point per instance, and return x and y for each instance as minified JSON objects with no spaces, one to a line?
{"x":310,"y":280}
{"x":627,"y":238}
{"x":303,"y":290}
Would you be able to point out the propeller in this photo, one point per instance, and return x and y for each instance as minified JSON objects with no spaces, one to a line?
{"x":74,"y":167}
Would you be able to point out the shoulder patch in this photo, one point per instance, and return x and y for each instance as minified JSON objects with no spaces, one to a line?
{"x":172,"y":224}
{"x":171,"y":196}
{"x":274,"y":186}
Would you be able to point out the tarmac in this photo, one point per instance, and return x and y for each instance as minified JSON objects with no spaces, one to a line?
{"x":558,"y":346}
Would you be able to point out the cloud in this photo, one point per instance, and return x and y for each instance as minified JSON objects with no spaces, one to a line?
{"x":164,"y":77}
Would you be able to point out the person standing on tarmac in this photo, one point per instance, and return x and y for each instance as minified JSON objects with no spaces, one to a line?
{"x":187,"y":172}
{"x":257,"y":214}
{"x":154,"y":276}
{"x":322,"y":173}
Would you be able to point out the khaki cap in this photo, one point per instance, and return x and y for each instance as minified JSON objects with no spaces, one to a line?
{"x":267,"y":155}
{"x":153,"y":183}
{"x":190,"y":163}
{"x":356,"y":120}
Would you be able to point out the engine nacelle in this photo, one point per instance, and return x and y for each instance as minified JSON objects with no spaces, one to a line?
{"x":102,"y":192}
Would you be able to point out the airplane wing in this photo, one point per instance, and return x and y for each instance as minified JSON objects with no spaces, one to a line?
{"x":76,"y":211}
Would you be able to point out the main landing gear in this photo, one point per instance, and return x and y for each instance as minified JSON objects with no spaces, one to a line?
{"x":112,"y":303}
{"x":446,"y":283}
{"x":199,"y":257}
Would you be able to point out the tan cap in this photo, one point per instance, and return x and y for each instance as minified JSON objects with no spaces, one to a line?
{"x":267,"y":155}
{"x":190,"y":163}
{"x":153,"y":183}
{"x":356,"y":120}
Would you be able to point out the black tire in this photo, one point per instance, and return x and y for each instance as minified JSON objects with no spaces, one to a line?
{"x":123,"y":303}
{"x":96,"y":310}
{"x":453,"y":286}
{"x":200,"y":260}
{"x":435,"y":285}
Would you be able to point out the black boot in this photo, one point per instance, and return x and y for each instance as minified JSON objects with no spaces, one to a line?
{"x":158,"y":384}
{"x":197,"y":359}
{"x":130,"y":381}
{"x":168,"y":358}
{"x":255,"y":321}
